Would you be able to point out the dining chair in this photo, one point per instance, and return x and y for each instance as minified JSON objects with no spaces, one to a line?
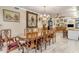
{"x":32,"y":40}
{"x":1,"y":41}
{"x":6,"y":34}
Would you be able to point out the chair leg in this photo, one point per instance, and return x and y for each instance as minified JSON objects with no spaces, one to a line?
{"x":18,"y":48}
{"x":27,"y":48}
{"x":22,"y":49}
{"x":41,"y":47}
{"x":35,"y":49}
{"x":45,"y":45}
{"x":1,"y":45}
{"x":55,"y":37}
{"x":49,"y":42}
{"x":52,"y":40}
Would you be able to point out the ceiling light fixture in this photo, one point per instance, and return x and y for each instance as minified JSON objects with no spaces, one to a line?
{"x":44,"y":15}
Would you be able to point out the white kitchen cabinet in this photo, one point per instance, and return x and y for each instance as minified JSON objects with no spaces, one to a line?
{"x":73,"y":34}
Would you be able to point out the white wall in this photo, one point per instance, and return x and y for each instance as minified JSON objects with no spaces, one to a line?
{"x":17,"y":28}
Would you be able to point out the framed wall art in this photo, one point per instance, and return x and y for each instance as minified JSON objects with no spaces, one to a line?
{"x":32,"y":20}
{"x":77,"y":23}
{"x":11,"y":16}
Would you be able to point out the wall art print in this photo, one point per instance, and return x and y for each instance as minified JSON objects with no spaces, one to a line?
{"x":32,"y":20}
{"x":11,"y":16}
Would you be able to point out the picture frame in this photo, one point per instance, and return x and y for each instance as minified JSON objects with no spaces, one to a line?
{"x":11,"y":16}
{"x":32,"y":20}
{"x":77,"y":23}
{"x":65,"y":20}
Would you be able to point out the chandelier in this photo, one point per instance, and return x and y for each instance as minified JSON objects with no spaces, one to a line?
{"x":44,"y":15}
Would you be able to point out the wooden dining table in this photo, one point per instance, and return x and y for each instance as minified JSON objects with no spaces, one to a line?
{"x":35,"y":39}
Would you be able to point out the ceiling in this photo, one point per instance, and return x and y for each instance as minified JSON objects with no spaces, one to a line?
{"x":53,"y":10}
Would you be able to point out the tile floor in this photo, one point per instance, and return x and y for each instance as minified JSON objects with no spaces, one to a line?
{"x":62,"y":45}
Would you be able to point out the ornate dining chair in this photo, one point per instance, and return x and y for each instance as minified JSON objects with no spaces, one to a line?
{"x":1,"y":41}
{"x":6,"y":34}
{"x":32,"y":40}
{"x":11,"y":43}
{"x":45,"y":37}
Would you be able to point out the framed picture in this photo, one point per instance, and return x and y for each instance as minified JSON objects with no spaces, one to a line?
{"x":32,"y":20}
{"x":65,"y":20}
{"x":11,"y":16}
{"x":77,"y":23}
